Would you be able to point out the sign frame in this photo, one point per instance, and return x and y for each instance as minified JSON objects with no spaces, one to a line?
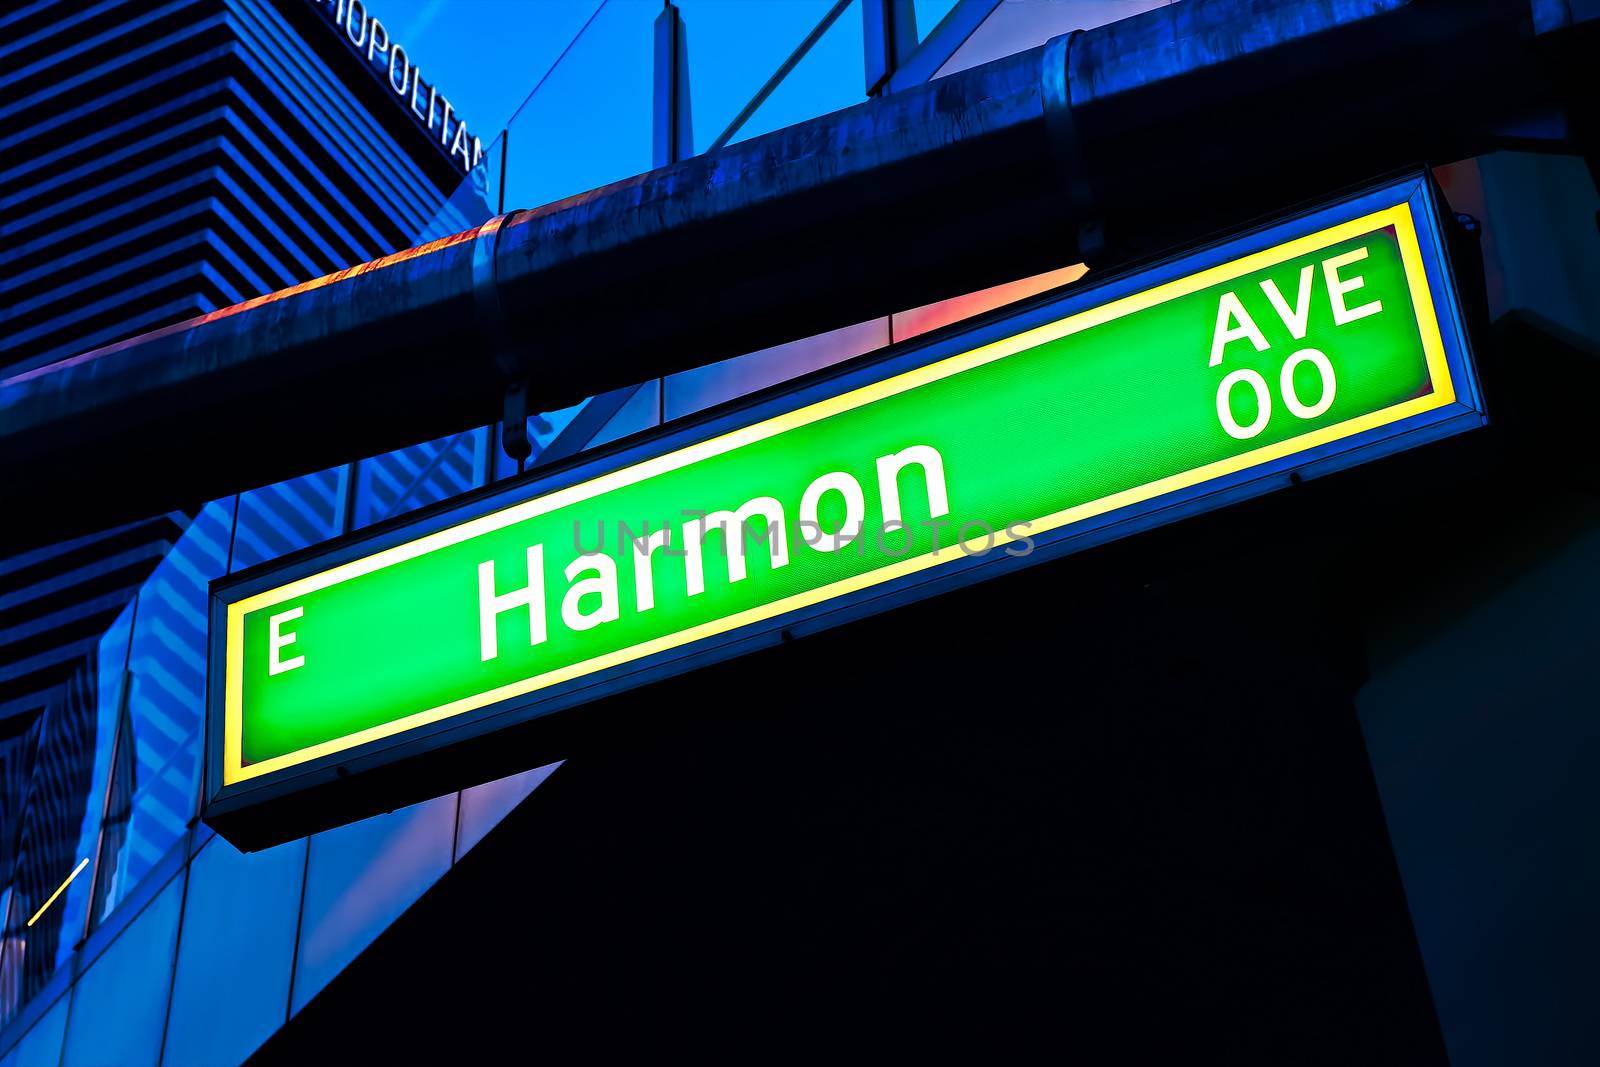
{"x":464,"y":748}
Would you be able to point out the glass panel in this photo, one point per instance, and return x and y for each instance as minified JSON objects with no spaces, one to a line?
{"x":483,"y":806}
{"x":484,"y":54}
{"x":1018,"y":25}
{"x":360,"y":878}
{"x":18,"y":745}
{"x":542,"y":429}
{"x":397,"y":482}
{"x":494,"y":159}
{"x":930,"y":13}
{"x":831,"y":76}
{"x":642,"y":411}
{"x":734,"y":47}
{"x":280,"y":518}
{"x":472,"y":203}
{"x":232,"y":984}
{"x":120,"y":1002}
{"x":16,"y":774}
{"x":909,"y":324}
{"x":61,"y":821}
{"x":155,"y":784}
{"x":704,"y":386}
{"x":590,"y":121}
{"x":41,"y":1046}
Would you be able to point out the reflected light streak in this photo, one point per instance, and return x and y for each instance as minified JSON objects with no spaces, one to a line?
{"x":62,"y":888}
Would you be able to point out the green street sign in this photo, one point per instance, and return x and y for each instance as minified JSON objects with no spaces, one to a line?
{"x":1313,"y":344}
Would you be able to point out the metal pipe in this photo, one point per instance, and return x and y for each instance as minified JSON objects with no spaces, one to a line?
{"x":1135,"y":134}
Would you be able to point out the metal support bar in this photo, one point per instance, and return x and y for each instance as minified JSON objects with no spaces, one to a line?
{"x":507,"y":354}
{"x":673,"y":128}
{"x":1160,"y":128}
{"x":1066,"y":146}
{"x":889,"y":37}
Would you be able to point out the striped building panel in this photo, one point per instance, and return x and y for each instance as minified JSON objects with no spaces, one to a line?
{"x":160,"y":160}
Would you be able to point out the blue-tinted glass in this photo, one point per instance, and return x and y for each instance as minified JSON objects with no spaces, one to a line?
{"x":485,"y":55}
{"x":1019,"y":25}
{"x":62,"y":792}
{"x":280,"y":518}
{"x":930,"y":13}
{"x":120,"y":1002}
{"x":396,"y":482}
{"x":494,"y":158}
{"x":155,"y":781}
{"x":702,"y":387}
{"x":642,"y":411}
{"x":232,"y":984}
{"x":734,"y":47}
{"x":360,"y":878}
{"x":590,"y":122}
{"x":483,"y":806}
{"x":542,"y":429}
{"x":41,"y":1046}
{"x":831,"y":76}
{"x":472,"y":203}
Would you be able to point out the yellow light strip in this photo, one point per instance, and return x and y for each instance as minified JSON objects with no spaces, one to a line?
{"x":1398,"y":216}
{"x":62,"y":888}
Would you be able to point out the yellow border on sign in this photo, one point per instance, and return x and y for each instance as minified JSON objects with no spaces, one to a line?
{"x":1398,"y":216}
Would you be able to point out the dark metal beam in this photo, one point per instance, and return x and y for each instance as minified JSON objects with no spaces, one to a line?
{"x":1148,"y":130}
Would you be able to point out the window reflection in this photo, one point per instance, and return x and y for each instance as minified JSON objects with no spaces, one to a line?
{"x":120,"y":1004}
{"x":157,"y":770}
{"x":232,"y":984}
{"x":408,"y":478}
{"x":49,"y":891}
{"x":41,"y":1045}
{"x":542,"y":431}
{"x":1018,"y":25}
{"x":483,"y":806}
{"x":278,"y":519}
{"x":360,"y":877}
{"x":703,"y":387}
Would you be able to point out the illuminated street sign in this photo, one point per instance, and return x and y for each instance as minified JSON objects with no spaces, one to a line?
{"x":1312,"y":344}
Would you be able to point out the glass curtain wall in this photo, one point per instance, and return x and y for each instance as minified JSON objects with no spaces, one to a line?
{"x":114,"y":897}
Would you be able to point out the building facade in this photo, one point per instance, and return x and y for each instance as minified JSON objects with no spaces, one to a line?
{"x":135,"y":935}
{"x":162,"y":161}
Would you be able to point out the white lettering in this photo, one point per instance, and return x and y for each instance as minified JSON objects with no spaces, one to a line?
{"x":491,"y":604}
{"x":1257,"y":384}
{"x":1337,"y":287}
{"x":350,"y":23}
{"x":416,"y":87}
{"x":278,"y":640}
{"x":372,"y":42}
{"x":643,"y":580}
{"x":855,"y":511}
{"x":444,"y":127}
{"x":735,"y":527}
{"x":603,"y":584}
{"x":1300,"y":317}
{"x":1230,"y":309}
{"x":1291,"y":399}
{"x":889,"y":467}
{"x":398,"y":57}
